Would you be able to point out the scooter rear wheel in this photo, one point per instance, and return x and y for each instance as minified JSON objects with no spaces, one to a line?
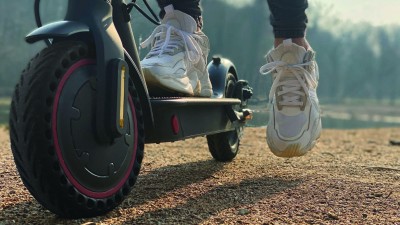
{"x":52,"y":132}
{"x":225,"y":146}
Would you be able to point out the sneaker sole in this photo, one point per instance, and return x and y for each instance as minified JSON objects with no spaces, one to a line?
{"x":206,"y":93}
{"x":294,"y":150}
{"x":166,"y":88}
{"x":201,"y":89}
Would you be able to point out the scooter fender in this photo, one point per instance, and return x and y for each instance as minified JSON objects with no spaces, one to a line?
{"x":218,"y":69}
{"x":96,"y":20}
{"x":59,"y":29}
{"x":65,"y":29}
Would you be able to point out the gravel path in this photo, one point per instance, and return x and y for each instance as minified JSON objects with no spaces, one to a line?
{"x":351,"y":177}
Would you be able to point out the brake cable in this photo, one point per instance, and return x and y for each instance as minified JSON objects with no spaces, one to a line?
{"x":38,"y":19}
{"x":154,"y":20}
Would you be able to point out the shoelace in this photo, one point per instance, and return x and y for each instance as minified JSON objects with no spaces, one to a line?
{"x":291,"y":89}
{"x":168,"y":38}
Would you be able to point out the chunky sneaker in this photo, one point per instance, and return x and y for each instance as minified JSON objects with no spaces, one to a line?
{"x":177,"y":61}
{"x":295,"y":120}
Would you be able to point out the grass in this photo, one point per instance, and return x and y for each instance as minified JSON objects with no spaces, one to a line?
{"x":360,"y":101}
{"x":5,"y":100}
{"x":4,"y":110}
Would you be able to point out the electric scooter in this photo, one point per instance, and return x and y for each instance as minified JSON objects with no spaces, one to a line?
{"x":81,"y":113}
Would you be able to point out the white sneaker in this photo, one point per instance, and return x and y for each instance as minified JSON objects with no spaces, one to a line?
{"x":177,"y":60}
{"x":295,"y":118}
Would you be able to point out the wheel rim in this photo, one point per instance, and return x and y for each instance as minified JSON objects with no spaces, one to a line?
{"x":233,"y":138}
{"x":96,"y":170}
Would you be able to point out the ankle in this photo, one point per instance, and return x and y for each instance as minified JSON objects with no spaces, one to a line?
{"x":299,"y":41}
{"x":199,"y":21}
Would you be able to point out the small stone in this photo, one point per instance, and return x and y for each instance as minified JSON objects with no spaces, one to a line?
{"x":378,"y":195}
{"x":332,"y":216}
{"x":364,"y":215}
{"x":243,"y":212}
{"x":89,"y":223}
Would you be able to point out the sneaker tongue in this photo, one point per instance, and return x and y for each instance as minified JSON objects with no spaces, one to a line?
{"x":292,"y":54}
{"x":179,"y":20}
{"x":290,"y":58}
{"x":289,"y":52}
{"x":174,"y":22}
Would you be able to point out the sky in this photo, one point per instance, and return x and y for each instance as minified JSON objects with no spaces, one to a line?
{"x":375,"y":12}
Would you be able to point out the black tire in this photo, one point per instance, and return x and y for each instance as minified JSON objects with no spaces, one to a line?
{"x":38,"y":147}
{"x":225,"y":146}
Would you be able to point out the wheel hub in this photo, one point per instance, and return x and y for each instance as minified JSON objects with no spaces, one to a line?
{"x":93,"y":165}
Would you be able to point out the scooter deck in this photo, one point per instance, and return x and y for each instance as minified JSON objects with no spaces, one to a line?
{"x":179,"y":118}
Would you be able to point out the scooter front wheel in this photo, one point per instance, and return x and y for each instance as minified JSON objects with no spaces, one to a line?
{"x":53,"y":138}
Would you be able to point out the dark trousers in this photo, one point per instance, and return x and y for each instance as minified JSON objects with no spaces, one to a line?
{"x":288,"y":17}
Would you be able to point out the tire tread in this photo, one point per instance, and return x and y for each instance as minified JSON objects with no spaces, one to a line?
{"x":32,"y":148}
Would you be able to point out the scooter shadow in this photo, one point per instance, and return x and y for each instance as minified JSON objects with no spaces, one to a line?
{"x":163,"y":180}
{"x":148,"y":187}
{"x":155,"y":184}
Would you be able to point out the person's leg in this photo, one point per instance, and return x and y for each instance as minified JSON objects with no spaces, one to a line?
{"x":190,"y":7}
{"x":177,"y":61}
{"x":295,"y":121}
{"x":289,"y":20}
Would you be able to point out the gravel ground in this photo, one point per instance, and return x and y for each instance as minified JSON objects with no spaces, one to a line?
{"x":351,"y":177}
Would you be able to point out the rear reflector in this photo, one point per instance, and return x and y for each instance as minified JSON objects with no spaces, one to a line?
{"x":175,"y":124}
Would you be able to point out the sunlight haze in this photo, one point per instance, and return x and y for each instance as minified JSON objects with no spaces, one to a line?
{"x":383,"y":12}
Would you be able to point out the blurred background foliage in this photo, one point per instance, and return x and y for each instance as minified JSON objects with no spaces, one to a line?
{"x":358,"y":61}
